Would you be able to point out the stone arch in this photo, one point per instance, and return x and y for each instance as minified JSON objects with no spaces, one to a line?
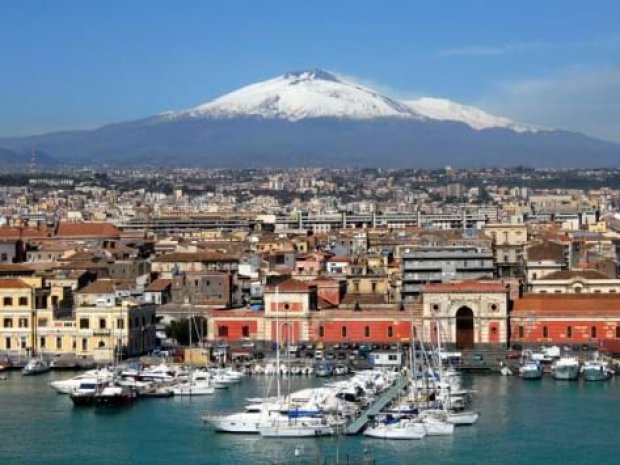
{"x":464,"y":328}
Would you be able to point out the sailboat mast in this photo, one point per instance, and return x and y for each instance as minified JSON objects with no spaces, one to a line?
{"x":278,"y":341}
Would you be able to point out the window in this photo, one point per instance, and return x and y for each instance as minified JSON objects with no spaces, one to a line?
{"x":101,"y":344}
{"x":102,"y":323}
{"x":84,"y":343}
{"x":8,"y":323}
{"x":545,"y":331}
{"x":42,"y":323}
{"x":569,"y":332}
{"x":120,"y":323}
{"x":415,"y":332}
{"x":617,"y":332}
{"x":521,"y":331}
{"x":23,"y":301}
{"x":577,"y":290}
{"x":7,"y":301}
{"x":374,"y":287}
{"x":54,"y":301}
{"x":222,"y":331}
{"x":390,"y":331}
{"x":245,"y":331}
{"x":42,"y":342}
{"x":23,"y":322}
{"x":321,"y":331}
{"x":493,"y":307}
{"x":366,"y":331}
{"x":4,"y":257}
{"x":344,"y":331}
{"x":7,"y":343}
{"x":593,"y":331}
{"x":59,"y":343}
{"x":84,"y":323}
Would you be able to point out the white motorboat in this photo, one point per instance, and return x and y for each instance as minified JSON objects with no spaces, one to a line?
{"x":596,"y":370}
{"x":404,"y":428}
{"x":114,"y":396}
{"x":566,"y":368}
{"x":531,"y":369}
{"x":36,"y":366}
{"x":435,"y":427}
{"x":67,"y":386}
{"x":83,"y":395}
{"x":193,"y":388}
{"x":462,"y":418}
{"x":300,"y":428}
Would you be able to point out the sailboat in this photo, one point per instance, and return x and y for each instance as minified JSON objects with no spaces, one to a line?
{"x":195,"y":386}
{"x":291,"y":425}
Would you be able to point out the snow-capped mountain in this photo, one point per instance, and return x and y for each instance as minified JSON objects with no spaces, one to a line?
{"x":315,"y":118}
{"x":299,"y":95}
{"x":447,"y":110}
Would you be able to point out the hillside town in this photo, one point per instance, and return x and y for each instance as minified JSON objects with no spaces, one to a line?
{"x":101,"y":264}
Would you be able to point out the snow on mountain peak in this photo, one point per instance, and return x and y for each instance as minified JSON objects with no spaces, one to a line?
{"x":302,"y":94}
{"x":316,"y":93}
{"x":447,"y":110}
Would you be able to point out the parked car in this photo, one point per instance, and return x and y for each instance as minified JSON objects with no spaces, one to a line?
{"x":342,"y":356}
{"x":248,"y":345}
{"x":318,"y":354}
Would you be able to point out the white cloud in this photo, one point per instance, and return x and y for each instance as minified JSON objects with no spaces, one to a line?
{"x":605,"y":42}
{"x":581,"y":99}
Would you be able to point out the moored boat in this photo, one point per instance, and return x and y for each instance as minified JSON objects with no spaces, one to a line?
{"x":566,"y":368}
{"x":404,"y":429}
{"x":36,"y":366}
{"x":596,"y":370}
{"x":531,"y":369}
{"x":114,"y":396}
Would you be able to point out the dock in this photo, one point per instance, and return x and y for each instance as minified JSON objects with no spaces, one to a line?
{"x":356,"y":426}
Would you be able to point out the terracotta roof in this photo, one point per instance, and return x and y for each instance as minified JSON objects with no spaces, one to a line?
{"x":87,"y":230}
{"x":15,"y":268}
{"x":339,"y":259}
{"x":159,"y":285}
{"x":562,"y":304}
{"x":571,"y":274}
{"x":107,"y":286}
{"x":290,"y":285}
{"x":465,"y":286}
{"x":11,"y":283}
{"x":196,"y":257}
{"x":11,"y":232}
{"x":544,"y":252}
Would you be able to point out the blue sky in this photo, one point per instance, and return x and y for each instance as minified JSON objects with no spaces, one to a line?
{"x":83,"y":63}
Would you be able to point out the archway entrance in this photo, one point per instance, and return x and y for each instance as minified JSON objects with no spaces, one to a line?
{"x":464,"y":328}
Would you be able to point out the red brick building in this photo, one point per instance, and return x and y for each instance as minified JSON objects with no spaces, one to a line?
{"x":565,"y":319}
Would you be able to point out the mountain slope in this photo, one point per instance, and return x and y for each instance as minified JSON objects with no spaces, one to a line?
{"x":313,"y":118}
{"x":447,"y":110}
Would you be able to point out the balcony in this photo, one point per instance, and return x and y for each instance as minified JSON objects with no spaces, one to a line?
{"x":102,"y":332}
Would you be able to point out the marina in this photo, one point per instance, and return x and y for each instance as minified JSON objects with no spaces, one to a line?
{"x":539,"y":416}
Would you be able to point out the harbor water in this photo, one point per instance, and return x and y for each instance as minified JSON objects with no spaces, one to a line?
{"x":522,"y":422}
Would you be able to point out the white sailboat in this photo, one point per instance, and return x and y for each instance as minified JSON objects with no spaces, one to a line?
{"x":193,"y":386}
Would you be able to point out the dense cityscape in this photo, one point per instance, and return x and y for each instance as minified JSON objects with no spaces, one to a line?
{"x":364,"y":256}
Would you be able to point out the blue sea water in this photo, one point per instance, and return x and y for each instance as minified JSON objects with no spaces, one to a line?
{"x":522,"y":422}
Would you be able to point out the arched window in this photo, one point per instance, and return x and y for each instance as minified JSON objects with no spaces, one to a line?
{"x":101,"y":344}
{"x":569,"y":332}
{"x":344,"y":331}
{"x":545,"y":331}
{"x":366,"y":331}
{"x":593,"y":331}
{"x":521,"y":332}
{"x":618,"y":332}
{"x":321,"y":331}
{"x":390,"y":331}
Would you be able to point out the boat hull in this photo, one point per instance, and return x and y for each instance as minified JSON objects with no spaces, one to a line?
{"x":83,"y":400}
{"x":294,"y":431}
{"x":570,"y":373}
{"x":596,"y":374}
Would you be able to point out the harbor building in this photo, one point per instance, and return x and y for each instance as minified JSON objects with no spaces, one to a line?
{"x":467,"y":313}
{"x":565,"y":319}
